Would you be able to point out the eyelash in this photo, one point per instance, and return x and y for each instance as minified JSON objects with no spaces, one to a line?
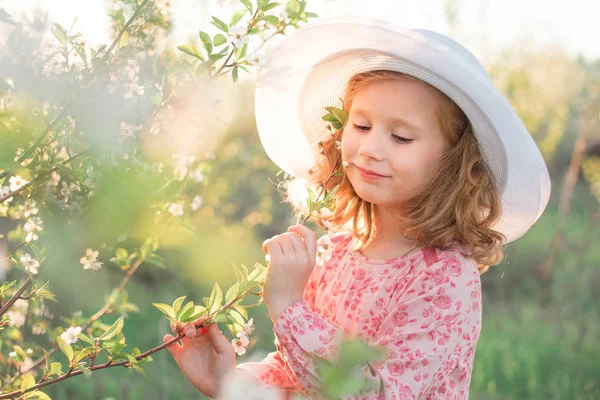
{"x":399,"y":139}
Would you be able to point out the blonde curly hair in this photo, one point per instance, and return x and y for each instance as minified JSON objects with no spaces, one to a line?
{"x":459,"y":205}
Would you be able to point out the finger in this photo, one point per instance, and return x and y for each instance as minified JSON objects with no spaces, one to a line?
{"x":310,"y":239}
{"x":173,"y":348}
{"x":189,"y":329}
{"x":287,"y":248}
{"x":200,"y":320}
{"x":297,"y":243}
{"x":274,"y":250}
{"x":218,"y":339}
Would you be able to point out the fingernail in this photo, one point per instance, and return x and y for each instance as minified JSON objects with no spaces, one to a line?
{"x":190,"y":332}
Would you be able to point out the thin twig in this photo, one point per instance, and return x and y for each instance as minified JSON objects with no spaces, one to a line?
{"x":40,"y":177}
{"x":15,"y":296}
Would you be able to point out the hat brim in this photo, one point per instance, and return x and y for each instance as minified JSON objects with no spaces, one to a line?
{"x":310,"y":69}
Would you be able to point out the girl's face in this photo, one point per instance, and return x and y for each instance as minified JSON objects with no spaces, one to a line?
{"x":393,"y":131}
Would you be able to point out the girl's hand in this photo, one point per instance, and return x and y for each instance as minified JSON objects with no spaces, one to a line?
{"x":205,"y":357}
{"x":292,"y":259}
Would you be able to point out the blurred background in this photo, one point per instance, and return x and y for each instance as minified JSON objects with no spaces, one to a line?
{"x":541,"y":320}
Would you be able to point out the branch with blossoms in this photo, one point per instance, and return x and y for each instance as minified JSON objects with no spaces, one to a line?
{"x":62,"y":170}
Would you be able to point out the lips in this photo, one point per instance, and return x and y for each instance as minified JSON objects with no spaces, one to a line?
{"x":368,"y":171}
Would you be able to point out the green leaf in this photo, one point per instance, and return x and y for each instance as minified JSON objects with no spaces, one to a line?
{"x":237,"y":317}
{"x":177,"y":304}
{"x":66,"y":348}
{"x":113,"y":330}
{"x":236,"y":16}
{"x":115,"y":345}
{"x":220,"y":24}
{"x":83,"y":353}
{"x":36,"y":395}
{"x":258,"y":274}
{"x":206,"y":42}
{"x":239,"y":275}
{"x":232,"y":293}
{"x":27,"y":382}
{"x":141,"y":371}
{"x":45,"y":293}
{"x":234,"y":74}
{"x":270,"y":6}
{"x":216,"y":297}
{"x":240,"y":53}
{"x":86,"y":371}
{"x":157,"y":260}
{"x":86,"y":338}
{"x":242,"y":311}
{"x":55,"y":369}
{"x":121,"y":253}
{"x":165,"y":308}
{"x":59,"y":33}
{"x":148,"y":247}
{"x":223,"y":317}
{"x":248,"y":5}
{"x":312,"y":15}
{"x":219,"y":39}
{"x":272,"y":19}
{"x":186,"y":311}
{"x":198,"y":311}
{"x":191,"y":50}
{"x":5,"y":286}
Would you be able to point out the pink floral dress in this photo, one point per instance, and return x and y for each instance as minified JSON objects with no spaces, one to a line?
{"x":424,"y":308}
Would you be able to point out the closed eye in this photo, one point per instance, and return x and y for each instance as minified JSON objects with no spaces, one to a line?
{"x":399,"y":139}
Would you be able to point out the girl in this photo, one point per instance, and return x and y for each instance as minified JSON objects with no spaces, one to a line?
{"x":438,"y":175}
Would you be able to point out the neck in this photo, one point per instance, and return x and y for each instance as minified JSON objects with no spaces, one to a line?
{"x":387,"y":241}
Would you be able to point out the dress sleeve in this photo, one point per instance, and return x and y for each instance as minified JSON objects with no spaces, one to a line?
{"x":430,"y":329}
{"x":272,"y":370}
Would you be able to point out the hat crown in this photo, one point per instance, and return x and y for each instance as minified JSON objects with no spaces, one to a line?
{"x":454,"y":45}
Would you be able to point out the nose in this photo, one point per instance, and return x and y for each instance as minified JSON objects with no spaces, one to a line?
{"x":372,"y":146}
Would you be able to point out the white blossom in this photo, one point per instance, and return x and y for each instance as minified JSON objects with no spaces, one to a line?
{"x":90,"y":260}
{"x":70,"y":335}
{"x":133,"y":90}
{"x":196,"y":203}
{"x":12,"y":354}
{"x":31,"y":264}
{"x":4,"y":190}
{"x":240,"y":343}
{"x":17,"y":312}
{"x":249,"y":326}
{"x":324,"y":249}
{"x":176,"y":209}
{"x":32,"y":226}
{"x":164,"y":6}
{"x":129,"y":130}
{"x":54,"y":179}
{"x":239,"y":36}
{"x":131,"y":68}
{"x":28,"y":208}
{"x":16,"y":182}
{"x":67,"y":190}
{"x":196,"y":175}
{"x":257,"y":59}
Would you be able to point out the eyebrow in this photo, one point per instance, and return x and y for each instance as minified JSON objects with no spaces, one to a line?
{"x":395,"y":120}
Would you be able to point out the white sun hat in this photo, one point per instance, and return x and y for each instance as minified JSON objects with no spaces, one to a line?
{"x":310,"y":69}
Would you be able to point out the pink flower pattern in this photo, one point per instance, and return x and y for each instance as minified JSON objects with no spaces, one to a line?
{"x":424,"y":309}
